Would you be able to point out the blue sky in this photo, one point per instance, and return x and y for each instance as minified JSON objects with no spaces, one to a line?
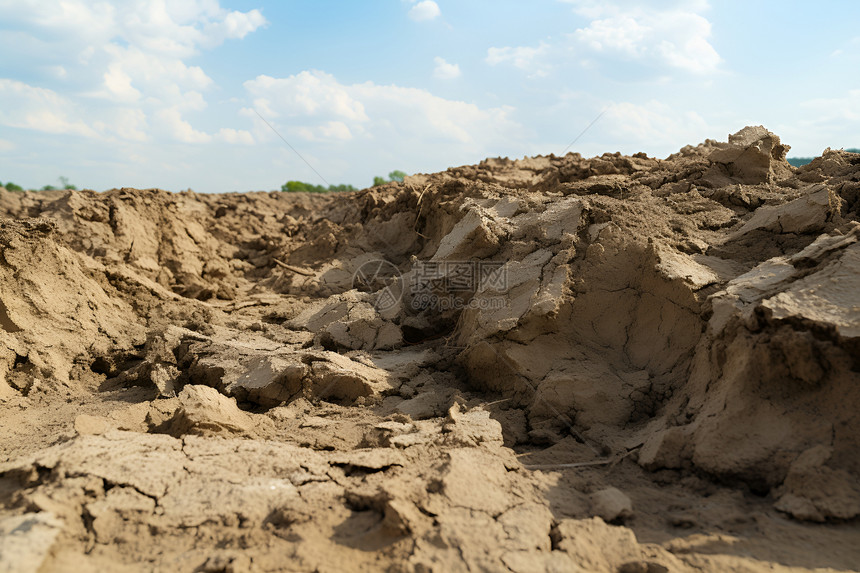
{"x":155,"y":93}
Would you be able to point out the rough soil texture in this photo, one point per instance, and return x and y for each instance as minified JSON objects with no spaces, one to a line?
{"x":617,"y":364}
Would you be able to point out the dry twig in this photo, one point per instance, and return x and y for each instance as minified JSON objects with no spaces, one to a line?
{"x":296,"y":270}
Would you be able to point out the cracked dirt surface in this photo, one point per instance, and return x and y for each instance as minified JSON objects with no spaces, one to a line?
{"x":617,"y":364}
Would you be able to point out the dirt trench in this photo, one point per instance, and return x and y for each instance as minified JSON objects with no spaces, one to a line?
{"x":550,"y":364}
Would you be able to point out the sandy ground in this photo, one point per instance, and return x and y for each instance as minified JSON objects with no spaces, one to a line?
{"x":617,"y":364}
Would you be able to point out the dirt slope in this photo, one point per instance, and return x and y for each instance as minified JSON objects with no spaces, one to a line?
{"x":617,"y":364}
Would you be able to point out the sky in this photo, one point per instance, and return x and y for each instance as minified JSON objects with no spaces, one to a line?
{"x":221,"y":95}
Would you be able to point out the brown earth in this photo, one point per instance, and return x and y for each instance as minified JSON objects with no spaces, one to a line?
{"x":617,"y":364}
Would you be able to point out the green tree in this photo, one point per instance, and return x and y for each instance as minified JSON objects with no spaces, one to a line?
{"x":64,"y":181}
{"x":302,"y":187}
{"x":12,"y":187}
{"x":395,"y":176}
{"x":341,"y":188}
{"x":48,"y":188}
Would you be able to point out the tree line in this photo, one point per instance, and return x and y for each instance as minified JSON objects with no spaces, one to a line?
{"x":64,"y":184}
{"x":303,"y":187}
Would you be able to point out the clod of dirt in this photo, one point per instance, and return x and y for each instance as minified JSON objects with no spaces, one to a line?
{"x":204,"y":411}
{"x":753,"y":155}
{"x":25,"y":541}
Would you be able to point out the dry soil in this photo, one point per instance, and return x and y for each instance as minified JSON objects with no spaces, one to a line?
{"x":618,"y":364}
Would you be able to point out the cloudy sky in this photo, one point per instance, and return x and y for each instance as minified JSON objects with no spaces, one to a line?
{"x":170,"y":94}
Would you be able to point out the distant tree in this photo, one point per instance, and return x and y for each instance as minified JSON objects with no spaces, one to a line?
{"x":341,"y":188}
{"x":302,"y":187}
{"x":395,"y":176}
{"x":48,"y":188}
{"x":64,"y":181}
{"x":12,"y":187}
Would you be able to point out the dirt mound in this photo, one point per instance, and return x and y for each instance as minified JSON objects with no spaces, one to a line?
{"x":56,"y":312}
{"x":549,"y":364}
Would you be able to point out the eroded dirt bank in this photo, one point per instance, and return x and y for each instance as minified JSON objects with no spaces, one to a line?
{"x":617,"y":364}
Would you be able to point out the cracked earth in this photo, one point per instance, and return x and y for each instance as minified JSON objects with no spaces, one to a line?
{"x":618,"y":364}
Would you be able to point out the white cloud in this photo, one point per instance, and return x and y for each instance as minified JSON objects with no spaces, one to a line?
{"x":239,"y":136}
{"x":669,"y":34}
{"x":526,"y":58}
{"x":652,"y":125}
{"x":328,"y":131}
{"x":845,"y":108}
{"x":598,"y":8}
{"x":678,"y":40}
{"x":425,"y":10}
{"x":444,"y":70}
{"x":118,"y":84}
{"x":131,"y":55}
{"x":306,"y":94}
{"x":850,"y":48}
{"x":58,"y":71}
{"x":235,"y":26}
{"x":314,"y":106}
{"x":133,"y":71}
{"x":817,"y":124}
{"x":126,"y":123}
{"x":177,"y":29}
{"x":6,"y":145}
{"x":826,"y":122}
{"x":171,"y":122}
{"x":336,"y":130}
{"x":27,"y":107}
{"x":622,"y":34}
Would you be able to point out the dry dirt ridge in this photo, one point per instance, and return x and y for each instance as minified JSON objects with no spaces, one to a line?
{"x":617,"y":364}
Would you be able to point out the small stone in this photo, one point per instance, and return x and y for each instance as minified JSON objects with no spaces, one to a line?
{"x":612,"y":505}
